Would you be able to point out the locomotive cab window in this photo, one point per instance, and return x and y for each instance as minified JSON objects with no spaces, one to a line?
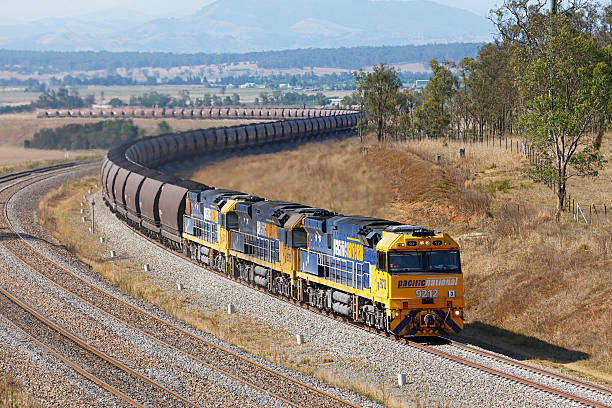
{"x":381,"y":261}
{"x":421,"y":261}
{"x":405,"y":261}
{"x":443,"y":261}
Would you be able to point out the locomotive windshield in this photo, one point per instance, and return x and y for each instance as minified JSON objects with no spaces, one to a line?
{"x":431,"y":261}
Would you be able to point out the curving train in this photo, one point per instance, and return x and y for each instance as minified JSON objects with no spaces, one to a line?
{"x":405,"y":280}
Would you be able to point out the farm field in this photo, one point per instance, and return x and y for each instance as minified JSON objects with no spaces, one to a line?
{"x":15,"y":128}
{"x":535,"y":289}
{"x":16,"y":96}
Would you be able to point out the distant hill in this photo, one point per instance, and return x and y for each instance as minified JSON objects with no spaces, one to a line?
{"x":247,"y":25}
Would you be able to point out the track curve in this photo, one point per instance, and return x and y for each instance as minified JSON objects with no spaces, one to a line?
{"x":140,"y":158}
{"x":239,"y":368}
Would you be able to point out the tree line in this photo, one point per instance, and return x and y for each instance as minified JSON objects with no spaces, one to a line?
{"x":291,"y":98}
{"x":547,"y":78}
{"x":350,"y":58}
{"x":100,"y":135}
{"x":309,"y":80}
{"x":53,"y":99}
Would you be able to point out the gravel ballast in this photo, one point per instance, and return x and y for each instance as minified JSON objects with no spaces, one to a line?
{"x":355,"y":353}
{"x":25,"y":202}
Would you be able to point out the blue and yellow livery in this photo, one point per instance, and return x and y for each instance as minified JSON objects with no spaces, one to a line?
{"x":402,"y":279}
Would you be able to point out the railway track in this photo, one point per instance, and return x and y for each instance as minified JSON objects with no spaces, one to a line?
{"x":93,"y":364}
{"x":579,"y":387}
{"x":597,"y":394}
{"x":589,"y":387}
{"x":219,"y":359}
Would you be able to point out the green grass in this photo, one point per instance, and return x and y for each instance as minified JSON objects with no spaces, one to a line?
{"x":498,"y":185}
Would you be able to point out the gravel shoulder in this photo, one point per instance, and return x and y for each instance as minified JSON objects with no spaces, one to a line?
{"x":344,"y":354}
{"x":354,"y":354}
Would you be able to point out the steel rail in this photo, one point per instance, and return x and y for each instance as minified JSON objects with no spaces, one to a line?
{"x":91,"y":349}
{"x":406,"y":341}
{"x":519,"y":364}
{"x":82,"y":372}
{"x":77,"y":340}
{"x":182,"y":331}
{"x":501,"y":374}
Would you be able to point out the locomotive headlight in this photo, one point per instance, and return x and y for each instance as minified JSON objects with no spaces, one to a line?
{"x":396,"y":314}
{"x":457,"y":312}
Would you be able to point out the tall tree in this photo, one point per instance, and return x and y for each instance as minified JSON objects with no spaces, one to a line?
{"x":434,"y":116}
{"x":380,"y":91}
{"x":565,"y":80}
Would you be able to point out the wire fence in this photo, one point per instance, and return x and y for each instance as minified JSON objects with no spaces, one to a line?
{"x":595,"y":212}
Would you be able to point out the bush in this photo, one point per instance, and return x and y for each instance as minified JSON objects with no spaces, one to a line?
{"x":163,"y":128}
{"x":498,"y":185}
{"x":100,"y":135}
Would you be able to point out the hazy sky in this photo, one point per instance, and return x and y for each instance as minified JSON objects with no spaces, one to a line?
{"x":36,"y":9}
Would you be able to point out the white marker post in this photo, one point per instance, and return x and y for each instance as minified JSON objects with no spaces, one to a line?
{"x":93,"y":204}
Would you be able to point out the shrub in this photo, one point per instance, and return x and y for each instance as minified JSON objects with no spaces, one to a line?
{"x":498,"y":185}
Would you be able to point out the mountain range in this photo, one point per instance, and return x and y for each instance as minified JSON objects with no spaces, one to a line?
{"x":247,"y":25}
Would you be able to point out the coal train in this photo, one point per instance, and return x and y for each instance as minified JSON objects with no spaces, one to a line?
{"x":404,"y":280}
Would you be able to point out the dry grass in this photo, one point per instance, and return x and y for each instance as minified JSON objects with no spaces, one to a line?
{"x":13,"y":158}
{"x":346,"y":177}
{"x":11,"y":395}
{"x":15,"y":128}
{"x":59,"y":212}
{"x":534,"y":288}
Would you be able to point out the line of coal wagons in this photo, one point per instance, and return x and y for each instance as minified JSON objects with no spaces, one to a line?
{"x":402,"y":279}
{"x":270,"y":113}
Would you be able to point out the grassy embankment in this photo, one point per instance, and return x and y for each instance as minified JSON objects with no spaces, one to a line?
{"x":534,"y":288}
{"x":59,"y":212}
{"x":11,"y":395}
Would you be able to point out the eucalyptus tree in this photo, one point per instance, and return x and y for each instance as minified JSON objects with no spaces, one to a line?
{"x":434,"y":115}
{"x":564,"y":77}
{"x":379,"y":90}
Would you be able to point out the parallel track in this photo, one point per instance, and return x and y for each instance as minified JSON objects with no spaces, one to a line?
{"x":85,"y":359}
{"x":93,"y":364}
{"x":433,"y":350}
{"x":239,"y":368}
